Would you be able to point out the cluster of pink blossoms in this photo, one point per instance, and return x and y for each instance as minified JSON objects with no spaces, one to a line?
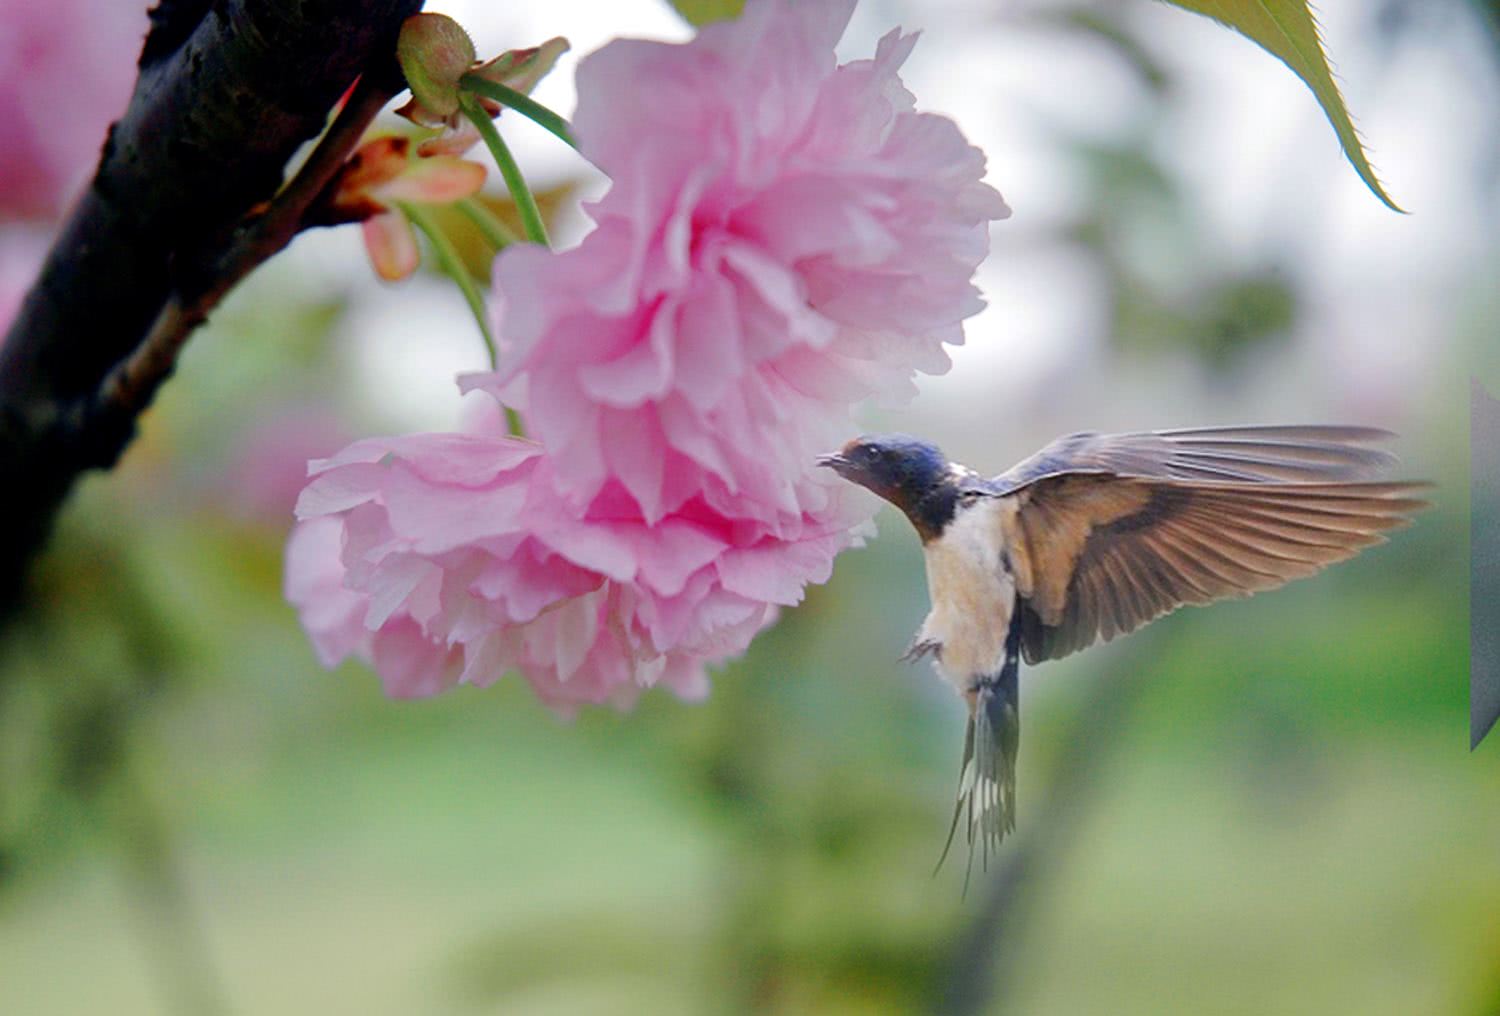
{"x":784,"y":237}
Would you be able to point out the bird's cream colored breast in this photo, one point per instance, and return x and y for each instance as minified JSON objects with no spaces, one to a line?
{"x":972,"y":592}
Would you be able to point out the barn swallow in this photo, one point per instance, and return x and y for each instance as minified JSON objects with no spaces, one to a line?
{"x":1096,"y":535}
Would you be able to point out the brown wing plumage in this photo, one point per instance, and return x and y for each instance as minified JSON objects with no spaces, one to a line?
{"x":1290,"y":454}
{"x":1134,"y":530}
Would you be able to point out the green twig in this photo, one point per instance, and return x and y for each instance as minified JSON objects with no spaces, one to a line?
{"x":521,"y":103}
{"x":496,"y":232}
{"x":448,"y":257}
{"x":531,"y":216}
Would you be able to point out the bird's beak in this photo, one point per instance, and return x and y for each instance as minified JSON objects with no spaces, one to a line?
{"x":833,"y":460}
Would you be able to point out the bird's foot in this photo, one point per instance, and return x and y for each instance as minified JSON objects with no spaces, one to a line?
{"x":921,"y":647}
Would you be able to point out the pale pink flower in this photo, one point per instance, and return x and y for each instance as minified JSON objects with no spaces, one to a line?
{"x":410,"y":664}
{"x":443,"y":558}
{"x":784,"y":236}
{"x":66,"y":68}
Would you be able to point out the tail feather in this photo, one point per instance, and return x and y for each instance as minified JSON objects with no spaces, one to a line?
{"x":987,"y":779}
{"x":992,"y":743}
{"x":958,"y":804}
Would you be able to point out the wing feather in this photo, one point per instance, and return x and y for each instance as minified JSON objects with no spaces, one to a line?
{"x":1285,"y":454}
{"x":1203,"y":584}
{"x":1107,"y":553}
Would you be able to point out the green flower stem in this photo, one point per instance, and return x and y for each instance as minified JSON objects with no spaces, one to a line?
{"x":521,"y":103}
{"x":495,"y":231}
{"x":447,"y":256}
{"x":531,"y":216}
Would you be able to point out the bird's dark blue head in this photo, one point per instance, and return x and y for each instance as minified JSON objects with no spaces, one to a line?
{"x":910,"y":473}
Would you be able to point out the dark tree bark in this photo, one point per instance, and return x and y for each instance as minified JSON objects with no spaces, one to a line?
{"x":180,"y":208}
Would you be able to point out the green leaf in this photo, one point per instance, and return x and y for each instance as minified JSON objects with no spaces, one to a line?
{"x":701,"y":12}
{"x":1289,"y":31}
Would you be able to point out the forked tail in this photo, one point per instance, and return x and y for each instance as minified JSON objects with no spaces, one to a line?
{"x":987,"y":780}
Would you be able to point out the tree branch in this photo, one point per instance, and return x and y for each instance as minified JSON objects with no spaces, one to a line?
{"x":227,"y":92}
{"x":131,"y":384}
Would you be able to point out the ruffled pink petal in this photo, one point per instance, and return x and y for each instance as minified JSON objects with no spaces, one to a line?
{"x":313,"y":583}
{"x":447,"y":558}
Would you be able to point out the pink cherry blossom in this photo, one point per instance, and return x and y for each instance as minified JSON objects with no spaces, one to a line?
{"x":409,"y":663}
{"x":445,"y":558}
{"x":784,"y":236}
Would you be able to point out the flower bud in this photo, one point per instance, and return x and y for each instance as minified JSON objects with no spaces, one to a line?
{"x":434,"y":52}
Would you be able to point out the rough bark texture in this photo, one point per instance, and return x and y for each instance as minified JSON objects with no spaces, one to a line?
{"x":228,"y":90}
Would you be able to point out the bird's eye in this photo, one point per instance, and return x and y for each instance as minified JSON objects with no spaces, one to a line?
{"x":968,"y":497}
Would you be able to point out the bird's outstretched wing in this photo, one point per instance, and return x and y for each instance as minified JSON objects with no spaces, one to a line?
{"x":1292,"y":454}
{"x":1111,"y":532}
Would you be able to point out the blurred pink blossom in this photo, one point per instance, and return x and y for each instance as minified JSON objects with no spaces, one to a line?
{"x":267,"y":462}
{"x":66,"y":68}
{"x":444,"y":558}
{"x":783,"y":237}
{"x":22,"y":250}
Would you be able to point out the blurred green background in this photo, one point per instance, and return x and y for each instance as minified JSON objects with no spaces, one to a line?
{"x":1267,"y":807}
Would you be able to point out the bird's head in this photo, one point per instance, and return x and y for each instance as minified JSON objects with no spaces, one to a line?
{"x":912,"y":474}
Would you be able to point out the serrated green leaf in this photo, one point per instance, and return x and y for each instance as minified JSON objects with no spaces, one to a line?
{"x":701,"y":12}
{"x":1289,"y":31}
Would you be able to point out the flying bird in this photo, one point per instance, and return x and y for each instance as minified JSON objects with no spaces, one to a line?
{"x":1096,"y":535}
